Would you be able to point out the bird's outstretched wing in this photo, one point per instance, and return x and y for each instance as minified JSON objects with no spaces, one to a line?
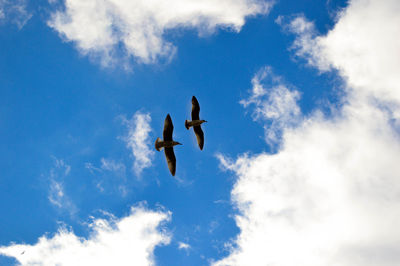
{"x":195,"y":109}
{"x":199,"y":135}
{"x":171,"y":160}
{"x":168,"y":129}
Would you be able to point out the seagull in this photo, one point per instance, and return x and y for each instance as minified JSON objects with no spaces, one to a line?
{"x":168,"y":144}
{"x":196,"y":123}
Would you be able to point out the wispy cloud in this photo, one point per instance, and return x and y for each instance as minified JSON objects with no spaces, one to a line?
{"x":127,"y":241}
{"x":56,"y":192}
{"x":307,"y":43}
{"x":14,"y":11}
{"x":111,"y":165}
{"x":99,"y":27}
{"x":110,"y":176}
{"x":92,"y":169}
{"x":138,"y":141}
{"x":274,"y":102}
{"x":330,"y":196}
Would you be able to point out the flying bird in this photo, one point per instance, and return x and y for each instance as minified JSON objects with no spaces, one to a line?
{"x":168,"y":144}
{"x":196,"y":123}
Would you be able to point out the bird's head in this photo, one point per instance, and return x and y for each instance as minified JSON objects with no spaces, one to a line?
{"x":203,"y":121}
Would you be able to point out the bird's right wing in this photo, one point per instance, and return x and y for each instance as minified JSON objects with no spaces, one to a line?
{"x":171,"y":160}
{"x":199,"y":135}
{"x":168,"y":129}
{"x":195,"y":109}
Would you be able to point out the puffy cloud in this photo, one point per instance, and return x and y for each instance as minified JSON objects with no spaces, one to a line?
{"x":363,"y":46}
{"x":138,"y":140}
{"x":130,"y":240}
{"x":138,"y":26}
{"x":330,"y":195}
{"x":14,"y":11}
{"x":274,"y":102}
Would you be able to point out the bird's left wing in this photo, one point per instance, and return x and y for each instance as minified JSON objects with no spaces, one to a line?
{"x":171,"y":160}
{"x":199,"y":135}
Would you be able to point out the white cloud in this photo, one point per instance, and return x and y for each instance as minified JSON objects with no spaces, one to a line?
{"x":111,"y":165}
{"x":307,"y":42}
{"x":330,"y":196}
{"x":138,"y":26}
{"x":273,"y":102}
{"x":182,"y":245}
{"x":56,"y":193}
{"x":14,"y":11}
{"x":130,"y":240}
{"x":60,"y":164}
{"x":92,"y":169}
{"x":370,"y":65}
{"x":138,"y":140}
{"x":110,"y":176}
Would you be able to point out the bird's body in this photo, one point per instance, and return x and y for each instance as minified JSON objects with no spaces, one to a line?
{"x":196,"y":123}
{"x":164,"y":144}
{"x":168,"y":144}
{"x":193,"y":123}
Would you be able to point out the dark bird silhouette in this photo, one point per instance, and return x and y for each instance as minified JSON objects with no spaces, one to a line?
{"x":168,"y":144}
{"x":196,"y":123}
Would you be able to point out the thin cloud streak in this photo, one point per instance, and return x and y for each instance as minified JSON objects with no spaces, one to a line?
{"x":14,"y":11}
{"x":56,"y":191}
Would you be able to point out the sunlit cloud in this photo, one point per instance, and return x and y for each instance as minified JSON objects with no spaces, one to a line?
{"x":330,"y":195}
{"x":136,"y":29}
{"x":182,"y":245}
{"x":274,"y":103}
{"x":138,"y":141}
{"x":130,"y":240}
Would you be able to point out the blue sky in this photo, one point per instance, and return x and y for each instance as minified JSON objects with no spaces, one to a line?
{"x":300,"y":100}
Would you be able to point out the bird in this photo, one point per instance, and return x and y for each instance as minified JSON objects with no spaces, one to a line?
{"x":196,"y":123}
{"x":168,"y":144}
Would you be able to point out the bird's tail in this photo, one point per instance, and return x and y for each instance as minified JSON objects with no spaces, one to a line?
{"x":187,"y":124}
{"x":157,"y":144}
